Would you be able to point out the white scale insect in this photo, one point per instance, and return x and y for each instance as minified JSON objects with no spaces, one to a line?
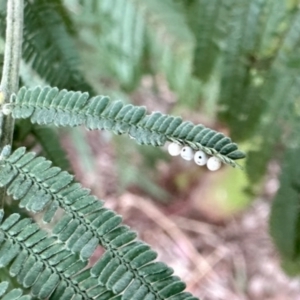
{"x":213,"y":163}
{"x":174,"y":149}
{"x":200,"y":157}
{"x":187,"y":153}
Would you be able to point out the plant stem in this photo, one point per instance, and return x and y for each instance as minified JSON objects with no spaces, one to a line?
{"x":10,"y":75}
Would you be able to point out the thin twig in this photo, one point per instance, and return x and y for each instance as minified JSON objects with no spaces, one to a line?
{"x":13,"y":46}
{"x":10,"y":75}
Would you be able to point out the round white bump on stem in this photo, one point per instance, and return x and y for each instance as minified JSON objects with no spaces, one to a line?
{"x":174,"y":149}
{"x":200,"y":158}
{"x":213,"y":163}
{"x":7,"y":109}
{"x":187,"y":153}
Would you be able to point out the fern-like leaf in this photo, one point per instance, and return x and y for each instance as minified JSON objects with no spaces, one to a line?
{"x":137,"y":36}
{"x":241,"y":78}
{"x":118,"y":39}
{"x":128,"y":265}
{"x":285,"y":214}
{"x":42,"y":263}
{"x":278,"y":15}
{"x":207,"y":20}
{"x":171,"y":45}
{"x":271,"y":129}
{"x":282,"y":86}
{"x":66,"y":108}
{"x":48,"y":45}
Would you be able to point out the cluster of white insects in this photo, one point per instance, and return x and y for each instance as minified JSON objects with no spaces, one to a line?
{"x":200,"y":158}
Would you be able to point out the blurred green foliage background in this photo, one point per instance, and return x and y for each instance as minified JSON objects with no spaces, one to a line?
{"x":235,"y":63}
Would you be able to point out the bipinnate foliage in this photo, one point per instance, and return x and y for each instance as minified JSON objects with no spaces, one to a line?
{"x":54,"y":265}
{"x":129,"y":38}
{"x":240,"y":89}
{"x":49,"y":49}
{"x":67,"y":108}
{"x":48,"y":45}
{"x":279,"y":91}
{"x":285,"y":214}
{"x":208,"y":22}
{"x":120,"y":49}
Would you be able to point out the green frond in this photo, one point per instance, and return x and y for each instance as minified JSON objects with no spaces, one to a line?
{"x":131,"y":38}
{"x":67,"y":108}
{"x":241,"y":104}
{"x":277,"y":16}
{"x":118,"y":39}
{"x":261,"y":43}
{"x":207,"y":19}
{"x":14,"y":294}
{"x":64,"y":13}
{"x":170,"y":45}
{"x":287,"y":58}
{"x":127,"y":266}
{"x":42,"y":263}
{"x":285,"y":213}
{"x":48,"y":45}
{"x":282,"y":87}
{"x":271,"y":128}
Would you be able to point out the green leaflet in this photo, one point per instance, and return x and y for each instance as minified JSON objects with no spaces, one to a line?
{"x":127,"y":267}
{"x":67,"y":108}
{"x":3,"y":287}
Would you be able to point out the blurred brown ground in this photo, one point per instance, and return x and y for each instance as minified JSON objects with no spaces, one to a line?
{"x":219,"y":257}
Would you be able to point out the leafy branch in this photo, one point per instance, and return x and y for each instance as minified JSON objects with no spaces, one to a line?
{"x":128,"y":264}
{"x":67,"y":108}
